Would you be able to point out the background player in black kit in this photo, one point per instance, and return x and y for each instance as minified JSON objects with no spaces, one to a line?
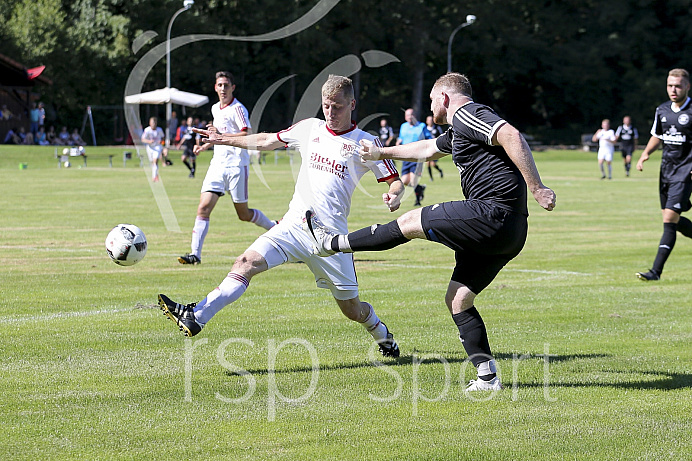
{"x":486,"y":230}
{"x":628,"y":136}
{"x":189,"y":139}
{"x":672,"y":127}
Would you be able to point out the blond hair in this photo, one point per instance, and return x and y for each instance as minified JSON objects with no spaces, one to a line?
{"x":337,"y":84}
{"x":680,"y":73}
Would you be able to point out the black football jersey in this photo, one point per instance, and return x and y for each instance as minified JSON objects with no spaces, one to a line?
{"x":627,"y":135}
{"x":674,"y":128}
{"x":486,"y":171}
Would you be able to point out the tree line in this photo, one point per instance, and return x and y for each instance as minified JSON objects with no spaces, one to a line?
{"x":553,"y":69}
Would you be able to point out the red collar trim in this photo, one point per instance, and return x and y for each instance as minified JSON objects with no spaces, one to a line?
{"x":223,"y":107}
{"x":339,"y":133}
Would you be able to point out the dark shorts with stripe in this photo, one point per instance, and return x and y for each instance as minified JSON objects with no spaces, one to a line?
{"x":675,"y":195}
{"x":483,"y":236}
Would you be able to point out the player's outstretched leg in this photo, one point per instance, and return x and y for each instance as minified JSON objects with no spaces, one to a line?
{"x":378,"y":237}
{"x":182,"y":314}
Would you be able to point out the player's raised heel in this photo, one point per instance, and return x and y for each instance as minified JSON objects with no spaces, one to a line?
{"x":321,"y":235}
{"x":182,"y":314}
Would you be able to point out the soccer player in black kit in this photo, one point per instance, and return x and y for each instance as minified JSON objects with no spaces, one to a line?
{"x":486,"y":231}
{"x":673,"y":128}
{"x":628,"y":136}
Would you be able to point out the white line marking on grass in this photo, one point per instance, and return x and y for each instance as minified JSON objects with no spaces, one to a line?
{"x":528,"y":271}
{"x":33,"y":248}
{"x":65,"y":315}
{"x":535,"y":271}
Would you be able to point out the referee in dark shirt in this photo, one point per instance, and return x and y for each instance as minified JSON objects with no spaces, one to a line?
{"x":486,"y":230}
{"x":673,"y":128}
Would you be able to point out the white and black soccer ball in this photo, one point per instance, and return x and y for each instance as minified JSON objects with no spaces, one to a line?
{"x":126,"y":244}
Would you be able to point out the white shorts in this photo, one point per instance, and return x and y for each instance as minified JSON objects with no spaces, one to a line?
{"x":154,"y":152}
{"x":233,"y":179}
{"x":604,"y":154}
{"x":288,"y":242}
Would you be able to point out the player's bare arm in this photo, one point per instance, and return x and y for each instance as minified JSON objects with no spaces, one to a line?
{"x":259,"y":141}
{"x":519,"y":152}
{"x":651,"y":146}
{"x":393,"y":197}
{"x":415,"y":151}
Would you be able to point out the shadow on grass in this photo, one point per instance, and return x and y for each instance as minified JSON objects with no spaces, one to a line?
{"x":659,"y":379}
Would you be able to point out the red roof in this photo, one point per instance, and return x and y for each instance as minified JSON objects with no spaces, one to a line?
{"x":13,"y":73}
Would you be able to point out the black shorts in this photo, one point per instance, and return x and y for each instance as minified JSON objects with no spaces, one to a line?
{"x":189,"y":152}
{"x":627,"y":150}
{"x":483,"y":236}
{"x":675,"y":195}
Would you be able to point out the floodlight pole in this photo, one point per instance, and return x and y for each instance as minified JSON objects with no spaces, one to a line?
{"x":470,"y":19}
{"x":187,"y":4}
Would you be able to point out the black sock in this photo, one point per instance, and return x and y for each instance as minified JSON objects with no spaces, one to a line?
{"x":473,"y":336}
{"x":685,"y":227}
{"x":194,"y":165}
{"x":187,"y":164}
{"x":430,"y":172}
{"x":377,"y":237}
{"x":665,"y":246}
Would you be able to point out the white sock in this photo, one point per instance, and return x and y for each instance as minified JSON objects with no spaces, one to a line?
{"x":487,"y":368}
{"x":199,"y":232}
{"x":344,"y":244}
{"x":374,"y":325}
{"x":154,"y":171}
{"x":261,"y":220}
{"x":232,"y":288}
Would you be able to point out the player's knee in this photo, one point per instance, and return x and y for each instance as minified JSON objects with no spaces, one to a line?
{"x":458,"y":299}
{"x":246,"y":265}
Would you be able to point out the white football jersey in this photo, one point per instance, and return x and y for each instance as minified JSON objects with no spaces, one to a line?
{"x":153,"y":135}
{"x":330,"y":170}
{"x":232,"y":118}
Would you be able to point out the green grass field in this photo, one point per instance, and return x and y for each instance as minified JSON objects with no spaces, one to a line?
{"x":597,"y":365}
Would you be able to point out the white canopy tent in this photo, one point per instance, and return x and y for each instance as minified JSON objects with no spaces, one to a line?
{"x":168,"y":95}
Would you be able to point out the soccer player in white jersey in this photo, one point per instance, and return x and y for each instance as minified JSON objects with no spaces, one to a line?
{"x":329,"y":172}
{"x":152,"y":137}
{"x":228,"y":169}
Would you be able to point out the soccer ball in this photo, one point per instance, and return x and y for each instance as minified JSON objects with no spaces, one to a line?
{"x":126,"y":244}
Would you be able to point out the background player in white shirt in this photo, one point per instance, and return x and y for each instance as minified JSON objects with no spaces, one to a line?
{"x":228,"y":169}
{"x":152,"y":137}
{"x":606,"y":146}
{"x":329,"y":172}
